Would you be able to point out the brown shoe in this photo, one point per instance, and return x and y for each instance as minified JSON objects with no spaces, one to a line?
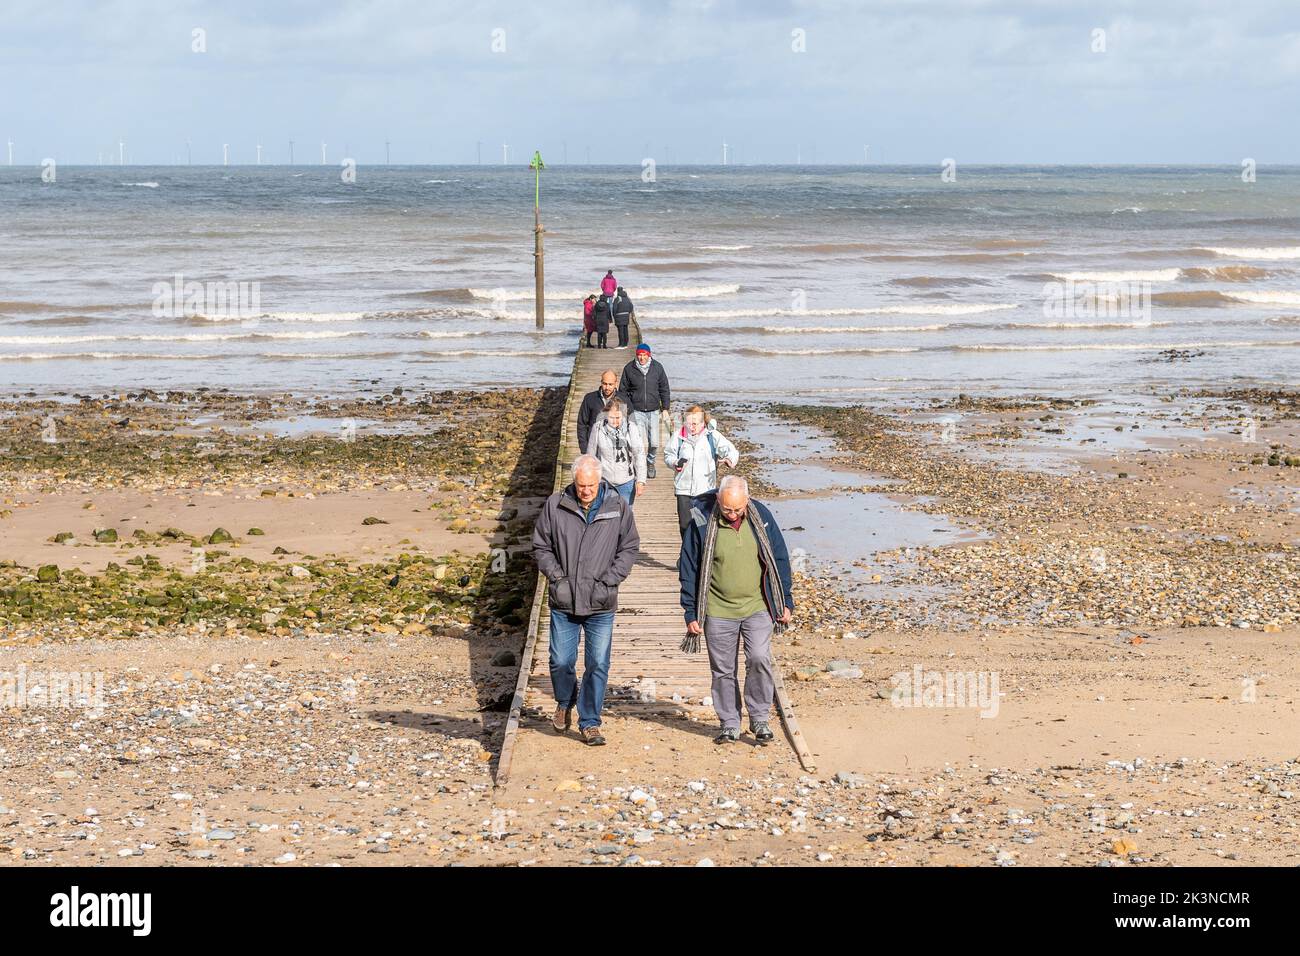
{"x":592,"y":737}
{"x":563,"y":719}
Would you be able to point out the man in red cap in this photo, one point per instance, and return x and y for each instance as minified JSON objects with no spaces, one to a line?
{"x":645,"y":382}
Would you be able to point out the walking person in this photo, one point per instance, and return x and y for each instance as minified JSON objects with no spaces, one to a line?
{"x":602,"y":314}
{"x":593,"y":405}
{"x":646,"y":383}
{"x":619,"y":447}
{"x":694,"y":452}
{"x":622,"y":316}
{"x":585,"y":543}
{"x":736,"y":588}
{"x":588,"y":319}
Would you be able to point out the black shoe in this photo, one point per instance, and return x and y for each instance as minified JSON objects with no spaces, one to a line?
{"x":729,"y":735}
{"x":763,"y":733}
{"x":650,"y":469}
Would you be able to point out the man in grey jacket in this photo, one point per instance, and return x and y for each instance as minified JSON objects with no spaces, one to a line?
{"x":585,"y":543}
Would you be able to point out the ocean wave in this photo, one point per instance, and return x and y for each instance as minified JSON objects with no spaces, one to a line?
{"x":287,"y":317}
{"x":249,"y":336}
{"x":928,"y":282}
{"x":148,"y":185}
{"x":1125,"y":346}
{"x":1138,"y":275}
{"x":1256,"y":252}
{"x":751,"y":350}
{"x":1266,"y":297}
{"x":1215,"y":297}
{"x":936,"y":308}
{"x":666,"y":292}
{"x":1226,"y":273}
{"x":723,"y":248}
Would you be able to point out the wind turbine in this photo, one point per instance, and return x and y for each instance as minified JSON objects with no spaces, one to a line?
{"x":724,"y":152}
{"x":505,"y":152}
{"x":121,"y":152}
{"x":189,"y":156}
{"x":322,"y":154}
{"x":290,"y":152}
{"x":11,"y":152}
{"x":388,"y":159}
{"x":225,"y":154}
{"x":259,"y":154}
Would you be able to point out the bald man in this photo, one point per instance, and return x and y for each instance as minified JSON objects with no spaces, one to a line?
{"x":585,"y":543}
{"x":593,"y":405}
{"x":736,"y":588}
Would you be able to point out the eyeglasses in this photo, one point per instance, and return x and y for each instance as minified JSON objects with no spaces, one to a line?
{"x":732,"y":512}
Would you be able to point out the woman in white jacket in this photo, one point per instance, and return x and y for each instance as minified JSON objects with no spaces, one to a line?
{"x":695,"y":450}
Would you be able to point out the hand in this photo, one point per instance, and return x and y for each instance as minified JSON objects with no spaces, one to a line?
{"x":640,"y":488}
{"x":693,"y":627}
{"x":785,"y":616}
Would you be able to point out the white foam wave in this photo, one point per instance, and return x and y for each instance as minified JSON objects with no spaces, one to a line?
{"x":662,"y":292}
{"x":249,"y":335}
{"x":149,"y":185}
{"x":1141,"y":275}
{"x":723,"y":248}
{"x":927,"y":308}
{"x":1256,"y":252}
{"x":1266,"y":297}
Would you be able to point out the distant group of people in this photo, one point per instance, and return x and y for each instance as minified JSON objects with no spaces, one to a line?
{"x":612,"y":306}
{"x":733,"y":567}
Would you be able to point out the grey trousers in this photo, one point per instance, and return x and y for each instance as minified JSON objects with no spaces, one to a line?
{"x":723,"y":636}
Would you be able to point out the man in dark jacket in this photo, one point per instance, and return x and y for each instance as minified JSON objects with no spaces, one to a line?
{"x":645,"y":382}
{"x":622,"y":316}
{"x":603,"y":314}
{"x":735,"y":577}
{"x":585,"y":543}
{"x":593,"y":405}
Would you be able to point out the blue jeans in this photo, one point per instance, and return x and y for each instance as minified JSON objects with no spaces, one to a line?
{"x":627,"y":490}
{"x":599,"y":631}
{"x":648,"y":422}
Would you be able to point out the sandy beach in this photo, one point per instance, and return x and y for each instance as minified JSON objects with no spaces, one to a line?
{"x":304,"y":634}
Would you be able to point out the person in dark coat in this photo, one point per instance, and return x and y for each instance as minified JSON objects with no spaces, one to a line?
{"x":646,"y":383}
{"x":593,"y":405}
{"x":585,"y":543}
{"x":602,"y":314}
{"x":622,"y":316}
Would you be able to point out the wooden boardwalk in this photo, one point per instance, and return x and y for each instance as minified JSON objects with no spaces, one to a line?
{"x":647,"y":665}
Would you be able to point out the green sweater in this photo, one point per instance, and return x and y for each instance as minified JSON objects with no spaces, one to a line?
{"x":735,"y":582}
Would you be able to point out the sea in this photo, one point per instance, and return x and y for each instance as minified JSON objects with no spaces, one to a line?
{"x":817,"y":283}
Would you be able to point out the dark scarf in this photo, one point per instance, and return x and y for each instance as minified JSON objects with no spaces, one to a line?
{"x":767,"y":560}
{"x":622,"y":450}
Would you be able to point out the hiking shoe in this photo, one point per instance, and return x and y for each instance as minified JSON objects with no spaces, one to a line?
{"x":650,"y":469}
{"x":592,"y":737}
{"x":563,"y":718}
{"x":762,"y":732}
{"x":729,"y":735}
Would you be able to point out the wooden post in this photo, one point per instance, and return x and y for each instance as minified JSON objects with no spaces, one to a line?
{"x":539,"y":293}
{"x":539,"y":271}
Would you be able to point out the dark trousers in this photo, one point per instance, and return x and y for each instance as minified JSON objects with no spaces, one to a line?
{"x":622,"y":334}
{"x":600,"y":339}
{"x":683,"y":514}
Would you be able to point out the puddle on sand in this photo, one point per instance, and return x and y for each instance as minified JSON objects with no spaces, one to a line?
{"x":1056,"y":441}
{"x":1269,"y":497}
{"x":828,"y":521}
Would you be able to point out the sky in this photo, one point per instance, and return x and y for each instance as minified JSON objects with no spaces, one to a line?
{"x":820,"y":81}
